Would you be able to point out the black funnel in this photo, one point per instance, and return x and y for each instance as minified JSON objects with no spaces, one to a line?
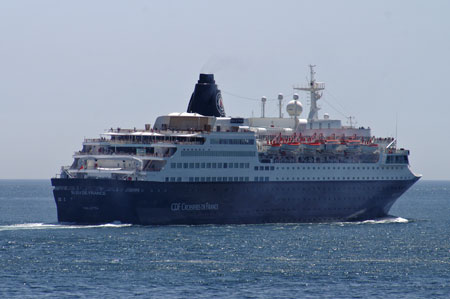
{"x":206,"y":98}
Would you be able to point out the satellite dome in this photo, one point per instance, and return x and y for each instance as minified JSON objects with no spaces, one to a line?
{"x":294,"y":108}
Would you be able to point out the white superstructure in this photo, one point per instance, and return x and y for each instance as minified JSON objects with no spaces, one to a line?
{"x":189,"y":147}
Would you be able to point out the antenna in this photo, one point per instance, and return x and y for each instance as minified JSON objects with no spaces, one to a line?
{"x":263,"y":106}
{"x":351,"y":121}
{"x":296,"y":112}
{"x":280,"y":103}
{"x":396,"y":125}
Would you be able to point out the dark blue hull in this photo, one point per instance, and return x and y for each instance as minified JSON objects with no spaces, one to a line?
{"x":102,"y":201}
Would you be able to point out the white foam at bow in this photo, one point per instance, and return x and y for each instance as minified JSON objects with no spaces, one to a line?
{"x":26,"y":226}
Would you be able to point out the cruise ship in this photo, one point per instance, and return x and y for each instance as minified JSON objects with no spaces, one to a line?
{"x":203,"y":167}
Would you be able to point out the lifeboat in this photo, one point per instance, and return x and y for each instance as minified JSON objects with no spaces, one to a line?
{"x":353,"y":146}
{"x":274,"y":147}
{"x":333,"y":146}
{"x":369,"y":148}
{"x":290,"y":146}
{"x":312,"y":147}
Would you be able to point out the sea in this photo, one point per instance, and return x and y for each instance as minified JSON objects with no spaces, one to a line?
{"x":405,"y":255}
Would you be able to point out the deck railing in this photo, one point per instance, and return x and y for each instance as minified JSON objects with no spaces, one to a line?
{"x":136,"y":141}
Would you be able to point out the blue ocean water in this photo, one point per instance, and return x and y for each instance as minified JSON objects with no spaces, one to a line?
{"x":403,"y":256}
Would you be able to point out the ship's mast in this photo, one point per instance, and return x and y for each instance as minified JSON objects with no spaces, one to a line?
{"x":313,"y":88}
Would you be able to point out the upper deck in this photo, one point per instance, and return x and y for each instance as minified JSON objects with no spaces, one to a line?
{"x":191,"y":140}
{"x":286,"y":147}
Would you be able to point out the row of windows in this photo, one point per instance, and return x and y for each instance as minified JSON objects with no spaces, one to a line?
{"x":185,"y":153}
{"x":265,"y":167}
{"x":259,"y":168}
{"x":232,"y":141}
{"x":342,"y":178}
{"x":266,"y":179}
{"x":209,"y":165}
{"x":210,"y":179}
{"x":329,"y":167}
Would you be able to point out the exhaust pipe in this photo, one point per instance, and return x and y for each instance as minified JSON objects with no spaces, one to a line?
{"x":206,"y":98}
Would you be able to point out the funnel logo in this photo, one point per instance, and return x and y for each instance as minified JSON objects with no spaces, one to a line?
{"x":219,"y":104}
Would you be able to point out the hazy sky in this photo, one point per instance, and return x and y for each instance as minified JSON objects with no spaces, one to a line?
{"x":70,"y":69}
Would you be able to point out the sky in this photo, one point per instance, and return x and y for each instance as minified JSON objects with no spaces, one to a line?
{"x":71,"y":69}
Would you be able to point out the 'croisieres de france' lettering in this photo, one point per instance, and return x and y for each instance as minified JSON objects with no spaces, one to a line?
{"x":177,"y":206}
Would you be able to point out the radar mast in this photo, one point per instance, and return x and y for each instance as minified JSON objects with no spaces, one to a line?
{"x":313,"y":88}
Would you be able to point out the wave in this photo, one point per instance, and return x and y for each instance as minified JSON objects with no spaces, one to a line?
{"x":384,"y":220}
{"x":31,"y":226}
{"x":37,"y":226}
{"x":390,"y":219}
